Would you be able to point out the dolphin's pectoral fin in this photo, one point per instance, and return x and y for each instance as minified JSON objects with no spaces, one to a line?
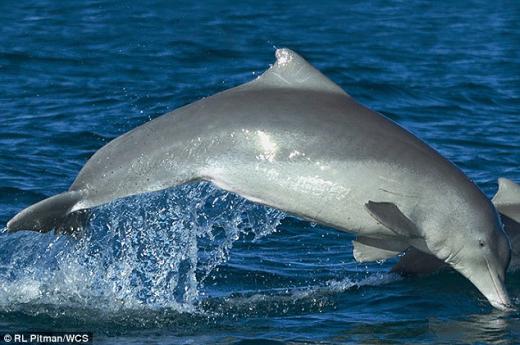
{"x":372,"y":249}
{"x":414,"y":261}
{"x":389,"y":215}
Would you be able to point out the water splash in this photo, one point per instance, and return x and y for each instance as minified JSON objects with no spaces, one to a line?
{"x":148,"y":252}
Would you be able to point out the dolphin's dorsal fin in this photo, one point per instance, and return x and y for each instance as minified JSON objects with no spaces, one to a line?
{"x":292,"y":71}
{"x":390,"y":216}
{"x":372,"y":249}
{"x":507,"y":199}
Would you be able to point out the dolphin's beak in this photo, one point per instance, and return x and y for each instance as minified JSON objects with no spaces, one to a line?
{"x":492,"y":286}
{"x":499,"y":299}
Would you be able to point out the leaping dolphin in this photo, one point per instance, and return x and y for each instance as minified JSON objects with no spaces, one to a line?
{"x":294,"y":140}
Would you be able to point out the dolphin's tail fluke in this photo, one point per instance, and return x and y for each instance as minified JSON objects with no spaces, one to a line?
{"x":51,"y":213}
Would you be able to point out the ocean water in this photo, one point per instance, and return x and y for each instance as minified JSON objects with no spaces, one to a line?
{"x":194,"y":264}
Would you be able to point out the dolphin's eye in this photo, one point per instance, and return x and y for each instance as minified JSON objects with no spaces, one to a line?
{"x":481,"y":243}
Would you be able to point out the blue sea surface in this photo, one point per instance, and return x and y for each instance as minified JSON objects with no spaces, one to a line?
{"x":194,"y":264}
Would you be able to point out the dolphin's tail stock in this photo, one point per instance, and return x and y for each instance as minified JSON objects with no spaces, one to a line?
{"x":51,"y":213}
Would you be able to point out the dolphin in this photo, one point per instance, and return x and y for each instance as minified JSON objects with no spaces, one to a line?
{"x":294,"y":140}
{"x":507,"y":203}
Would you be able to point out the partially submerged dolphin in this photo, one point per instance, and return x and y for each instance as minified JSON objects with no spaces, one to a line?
{"x":294,"y":140}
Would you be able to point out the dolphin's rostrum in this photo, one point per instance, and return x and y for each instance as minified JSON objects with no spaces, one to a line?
{"x":294,"y":140}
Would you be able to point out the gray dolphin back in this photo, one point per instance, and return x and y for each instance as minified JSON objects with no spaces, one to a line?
{"x":173,"y":149}
{"x":291,"y":139}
